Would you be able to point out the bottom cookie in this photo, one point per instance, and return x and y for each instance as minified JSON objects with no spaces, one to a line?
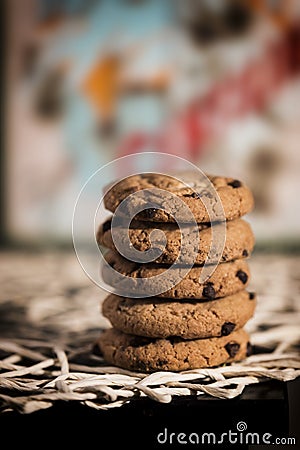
{"x":173,"y":354}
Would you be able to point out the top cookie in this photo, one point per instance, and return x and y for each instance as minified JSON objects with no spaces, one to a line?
{"x":235,"y":197}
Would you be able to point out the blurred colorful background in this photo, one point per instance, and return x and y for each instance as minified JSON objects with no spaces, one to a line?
{"x":87,"y":81}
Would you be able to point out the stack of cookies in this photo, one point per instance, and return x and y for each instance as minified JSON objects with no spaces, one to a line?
{"x":195,"y":323}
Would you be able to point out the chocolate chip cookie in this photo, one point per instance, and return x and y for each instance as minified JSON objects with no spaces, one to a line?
{"x":156,"y":318}
{"x":174,"y":354}
{"x":238,"y":244}
{"x":190,"y":188}
{"x":178,"y":283}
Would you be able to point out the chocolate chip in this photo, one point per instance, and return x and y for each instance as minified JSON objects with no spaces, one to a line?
{"x":209,"y":291}
{"x":142,"y":366}
{"x":251,"y":295}
{"x":242,"y":276}
{"x":106,"y":226}
{"x":227,"y":328}
{"x":232,"y":348}
{"x":96,"y":350}
{"x":249,"y":350}
{"x":162,"y":362}
{"x":235,"y":184}
{"x":245,"y":253}
{"x":192,"y":195}
{"x":150,"y":213}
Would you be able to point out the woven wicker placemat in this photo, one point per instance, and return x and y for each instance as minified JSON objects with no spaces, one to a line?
{"x":50,"y":319}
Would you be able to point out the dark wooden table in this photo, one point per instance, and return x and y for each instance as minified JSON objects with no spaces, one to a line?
{"x":271,"y":407}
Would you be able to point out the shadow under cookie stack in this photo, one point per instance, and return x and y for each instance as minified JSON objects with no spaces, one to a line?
{"x":193,"y":324}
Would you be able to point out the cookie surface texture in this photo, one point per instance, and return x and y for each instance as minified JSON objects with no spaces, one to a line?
{"x":156,"y":318}
{"x":149,"y":355}
{"x":227,"y":279}
{"x":238,"y":244}
{"x":235,"y":197}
